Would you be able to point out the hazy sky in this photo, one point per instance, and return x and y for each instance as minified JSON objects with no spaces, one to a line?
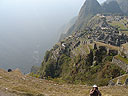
{"x":28,"y":26}
{"x":101,"y":1}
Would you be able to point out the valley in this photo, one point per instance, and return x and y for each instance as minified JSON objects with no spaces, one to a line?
{"x":93,"y":49}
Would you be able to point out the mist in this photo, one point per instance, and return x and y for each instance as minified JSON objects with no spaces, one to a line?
{"x":30,"y":27}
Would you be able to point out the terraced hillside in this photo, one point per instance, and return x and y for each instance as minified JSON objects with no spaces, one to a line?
{"x":88,"y":56}
{"x":120,"y":22}
{"x":16,"y":84}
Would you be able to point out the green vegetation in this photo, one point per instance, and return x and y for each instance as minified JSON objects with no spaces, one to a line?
{"x":108,"y":46}
{"x":18,"y":84}
{"x":93,"y":68}
{"x":118,"y":25}
{"x":125,"y":60}
{"x":34,"y":75}
{"x":121,"y":78}
{"x":80,"y":63}
{"x":125,"y":32}
{"x":121,"y":25}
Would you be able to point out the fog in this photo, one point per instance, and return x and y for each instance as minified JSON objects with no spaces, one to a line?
{"x":30,"y":27}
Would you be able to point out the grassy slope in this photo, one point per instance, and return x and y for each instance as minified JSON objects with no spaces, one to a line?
{"x":120,"y":25}
{"x":108,"y":46}
{"x":122,"y":59}
{"x":17,"y":83}
{"x":121,"y":78}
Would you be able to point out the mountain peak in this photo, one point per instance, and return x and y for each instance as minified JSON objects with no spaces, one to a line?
{"x":90,"y":7}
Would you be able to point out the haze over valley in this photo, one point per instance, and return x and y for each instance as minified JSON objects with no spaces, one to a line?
{"x":30,"y":27}
{"x":55,"y":47}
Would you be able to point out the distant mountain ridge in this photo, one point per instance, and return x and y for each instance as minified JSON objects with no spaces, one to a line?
{"x":91,"y":55}
{"x":111,"y":7}
{"x":92,"y":48}
{"x":89,"y":9}
{"x":123,"y":5}
{"x":66,"y":27}
{"x":92,"y":7}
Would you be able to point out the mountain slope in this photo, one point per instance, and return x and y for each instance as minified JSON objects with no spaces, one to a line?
{"x":92,"y":7}
{"x":112,"y":7}
{"x":86,"y":56}
{"x":16,"y":84}
{"x":66,"y":27}
{"x":123,"y":5}
{"x":89,"y":9}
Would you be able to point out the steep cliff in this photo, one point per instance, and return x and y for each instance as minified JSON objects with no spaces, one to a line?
{"x":86,"y":56}
{"x":89,"y":9}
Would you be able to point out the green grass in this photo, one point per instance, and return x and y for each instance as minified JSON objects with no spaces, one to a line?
{"x":118,"y":24}
{"x":125,"y":32}
{"x":34,"y":75}
{"x":106,"y":45}
{"x":122,"y":79}
{"x":37,"y":87}
{"x":122,"y":59}
{"x":82,"y":48}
